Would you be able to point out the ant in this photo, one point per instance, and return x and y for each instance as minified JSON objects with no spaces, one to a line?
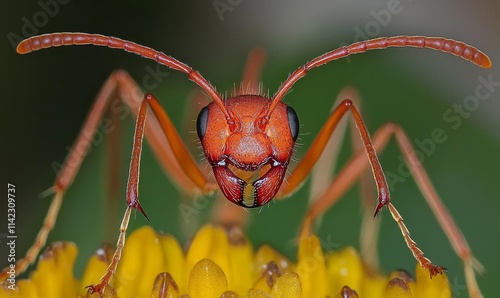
{"x":248,"y":140}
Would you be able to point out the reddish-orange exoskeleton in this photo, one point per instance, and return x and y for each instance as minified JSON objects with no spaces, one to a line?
{"x":253,"y":133}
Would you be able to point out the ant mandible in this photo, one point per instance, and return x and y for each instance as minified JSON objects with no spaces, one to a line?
{"x":249,"y":132}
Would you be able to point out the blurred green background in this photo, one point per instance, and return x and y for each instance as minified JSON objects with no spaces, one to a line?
{"x":46,"y":96}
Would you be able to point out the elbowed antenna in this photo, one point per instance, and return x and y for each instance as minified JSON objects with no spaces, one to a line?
{"x":44,"y":41}
{"x":441,"y":44}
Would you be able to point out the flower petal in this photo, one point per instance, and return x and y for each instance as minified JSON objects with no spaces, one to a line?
{"x":174,"y":261}
{"x":241,"y":261}
{"x":54,"y":274}
{"x":373,"y":283}
{"x":344,"y":267}
{"x":311,"y":267}
{"x":438,"y":286}
{"x":287,"y":286}
{"x":399,"y":285}
{"x":230,"y":294}
{"x":150,"y":261}
{"x":21,"y":288}
{"x":141,"y":261}
{"x":254,"y":293}
{"x":404,"y":276}
{"x":211,"y":243}
{"x":96,"y":266}
{"x":206,"y":280}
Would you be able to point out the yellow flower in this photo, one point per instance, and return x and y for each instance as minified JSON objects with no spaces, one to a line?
{"x":220,"y":263}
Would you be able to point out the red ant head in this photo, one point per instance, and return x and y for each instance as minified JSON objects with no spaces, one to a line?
{"x":246,"y":142}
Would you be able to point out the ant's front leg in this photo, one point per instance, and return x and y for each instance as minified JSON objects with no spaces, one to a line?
{"x":353,"y":171}
{"x":132,"y":199}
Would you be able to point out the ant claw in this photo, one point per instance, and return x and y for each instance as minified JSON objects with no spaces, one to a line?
{"x":94,"y":289}
{"x":383,"y":199}
{"x":139,"y":207}
{"x":103,"y":289}
{"x":435,"y":270}
{"x":377,"y":210}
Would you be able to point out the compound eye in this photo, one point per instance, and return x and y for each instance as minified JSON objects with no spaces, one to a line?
{"x":293,"y":122}
{"x":201,"y":122}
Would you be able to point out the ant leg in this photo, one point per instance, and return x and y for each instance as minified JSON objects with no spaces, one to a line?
{"x":302,"y":170}
{"x":311,"y":157}
{"x":133,"y":180}
{"x":119,"y":84}
{"x":323,"y":172}
{"x":355,"y":167}
{"x":67,"y":174}
{"x":369,"y":227}
{"x":346,"y":177}
{"x":113,"y":180}
{"x":322,"y":175}
{"x":180,"y":153}
{"x":457,"y":239}
{"x":132,"y":198}
{"x":318,"y":148}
